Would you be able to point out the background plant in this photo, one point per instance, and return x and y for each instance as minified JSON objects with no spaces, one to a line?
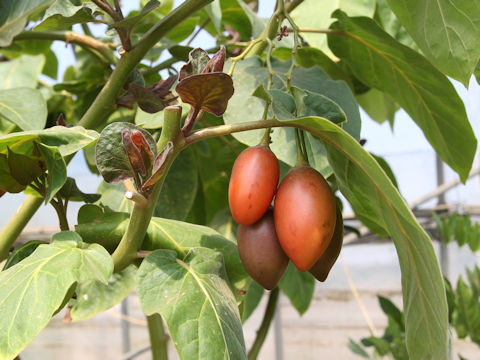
{"x":161,"y":238}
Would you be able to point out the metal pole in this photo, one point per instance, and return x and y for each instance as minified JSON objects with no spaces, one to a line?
{"x":441,"y":201}
{"x":125,"y":328}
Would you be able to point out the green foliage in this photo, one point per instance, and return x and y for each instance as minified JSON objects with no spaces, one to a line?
{"x":34,"y":288}
{"x":458,"y":228}
{"x":63,"y":14}
{"x":444,"y":25}
{"x":196,"y":302}
{"x":94,"y":296}
{"x":425,"y":93}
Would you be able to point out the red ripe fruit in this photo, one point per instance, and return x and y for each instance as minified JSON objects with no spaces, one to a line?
{"x":304,"y":214}
{"x":323,"y":265}
{"x":253,"y":184}
{"x":260,"y":252}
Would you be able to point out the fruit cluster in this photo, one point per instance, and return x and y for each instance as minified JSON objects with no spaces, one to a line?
{"x":304,"y":226}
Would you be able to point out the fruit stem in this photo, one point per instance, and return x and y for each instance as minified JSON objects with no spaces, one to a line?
{"x":265,"y":325}
{"x":266,"y":138}
{"x":158,"y":339}
{"x":301,"y":158}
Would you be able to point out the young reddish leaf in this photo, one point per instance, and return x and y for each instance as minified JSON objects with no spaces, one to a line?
{"x":133,"y":153}
{"x":209,"y":92}
{"x":216,"y":62}
{"x":152,"y":99}
{"x":146,"y":152}
{"x":197,"y":61}
{"x":158,"y":166}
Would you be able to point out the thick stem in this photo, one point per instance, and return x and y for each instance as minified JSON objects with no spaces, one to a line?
{"x":126,"y":252}
{"x":158,"y":339}
{"x":10,"y":232}
{"x":61,"y":213}
{"x":101,"y":49}
{"x":267,"y":320}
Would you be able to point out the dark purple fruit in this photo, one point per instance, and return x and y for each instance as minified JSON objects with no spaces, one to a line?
{"x":260,"y":252}
{"x":323,"y":265}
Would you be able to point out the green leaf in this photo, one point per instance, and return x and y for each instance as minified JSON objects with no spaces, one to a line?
{"x":67,"y":140}
{"x":466,"y":318}
{"x":112,"y":160}
{"x":22,"y":252}
{"x":113,"y":197}
{"x":214,"y":12}
{"x":194,"y":299}
{"x":24,"y":107}
{"x":179,"y":188}
{"x":21,"y":72}
{"x":378,"y":105}
{"x":386,"y":167}
{"x":391,"y":310}
{"x":14,"y":16}
{"x":357,"y":349}
{"x":34,"y":288}
{"x":309,"y":57}
{"x":252,"y":299}
{"x":131,"y":21}
{"x":7,"y":182}
{"x":24,"y":169}
{"x":322,"y":19}
{"x":71,"y":192}
{"x":298,"y":286}
{"x":57,"y":170}
{"x":107,"y":229}
{"x":147,"y":120}
{"x":378,"y":204}
{"x":427,"y":95}
{"x":94,"y":296}
{"x":446,"y":32}
{"x":51,"y":65}
{"x":234,"y":16}
{"x":63,"y":14}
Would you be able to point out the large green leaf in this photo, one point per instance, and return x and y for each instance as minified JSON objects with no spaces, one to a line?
{"x":298,"y":286}
{"x":24,"y":107}
{"x":63,"y":14}
{"x":94,"y":296}
{"x":377,"y":203}
{"x":67,"y":140}
{"x":33,"y":289}
{"x":194,"y":299}
{"x":447,"y":32}
{"x":21,"y":72}
{"x":14,"y":16}
{"x":107,"y":229}
{"x":322,"y":10}
{"x":425,"y":93}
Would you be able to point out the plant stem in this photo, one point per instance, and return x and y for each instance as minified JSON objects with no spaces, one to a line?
{"x":132,"y":239}
{"x":158,"y":339}
{"x":263,"y":330}
{"x":101,"y":49}
{"x":10,"y":232}
{"x":61,"y":213}
{"x":213,"y":131}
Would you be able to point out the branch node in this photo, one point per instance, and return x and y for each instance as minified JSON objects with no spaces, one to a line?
{"x":137,"y":198}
